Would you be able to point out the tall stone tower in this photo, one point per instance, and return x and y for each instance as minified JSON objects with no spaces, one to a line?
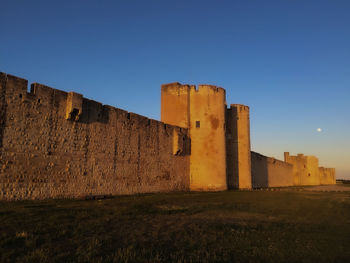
{"x":238,"y":147}
{"x":202,"y":111}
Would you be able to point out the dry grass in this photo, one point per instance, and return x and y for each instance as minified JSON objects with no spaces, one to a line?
{"x":276,"y":226}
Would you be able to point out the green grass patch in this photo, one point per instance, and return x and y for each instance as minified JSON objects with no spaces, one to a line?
{"x":232,"y":226}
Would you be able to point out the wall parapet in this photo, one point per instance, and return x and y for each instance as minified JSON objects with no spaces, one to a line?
{"x":44,"y":95}
{"x":270,"y":172}
{"x":57,"y":144}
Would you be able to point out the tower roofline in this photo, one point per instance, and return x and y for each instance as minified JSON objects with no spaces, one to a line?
{"x":238,"y":105}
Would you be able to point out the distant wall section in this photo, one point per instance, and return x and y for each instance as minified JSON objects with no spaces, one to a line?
{"x":55,"y":144}
{"x":305,"y":169}
{"x":327,"y":175}
{"x":270,"y":172}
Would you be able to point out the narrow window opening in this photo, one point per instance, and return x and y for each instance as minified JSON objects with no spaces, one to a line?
{"x":198,"y":124}
{"x":20,"y":96}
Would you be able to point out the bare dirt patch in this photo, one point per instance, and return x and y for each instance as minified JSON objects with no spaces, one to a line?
{"x":330,"y":188}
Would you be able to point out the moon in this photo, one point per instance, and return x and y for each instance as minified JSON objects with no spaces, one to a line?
{"x":319,"y":130}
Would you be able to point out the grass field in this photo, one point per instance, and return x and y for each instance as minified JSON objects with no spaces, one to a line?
{"x":232,"y":226}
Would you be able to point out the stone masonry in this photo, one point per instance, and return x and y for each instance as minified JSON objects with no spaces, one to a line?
{"x":55,"y":144}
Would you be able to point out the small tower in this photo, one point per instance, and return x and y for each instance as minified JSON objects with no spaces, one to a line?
{"x":238,"y":147}
{"x":202,"y":111}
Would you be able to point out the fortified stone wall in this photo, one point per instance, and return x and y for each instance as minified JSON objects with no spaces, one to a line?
{"x":270,"y":172}
{"x":327,"y":175}
{"x":55,"y":144}
{"x":238,"y":147}
{"x":305,"y":169}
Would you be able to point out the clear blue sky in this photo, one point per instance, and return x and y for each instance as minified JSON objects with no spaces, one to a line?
{"x":289,"y":60}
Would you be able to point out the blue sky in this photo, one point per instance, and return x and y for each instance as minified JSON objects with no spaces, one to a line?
{"x":289,"y":60}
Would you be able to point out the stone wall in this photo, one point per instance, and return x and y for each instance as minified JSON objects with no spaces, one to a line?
{"x":327,"y":175}
{"x":55,"y":144}
{"x":270,"y":172}
{"x":305,"y":169}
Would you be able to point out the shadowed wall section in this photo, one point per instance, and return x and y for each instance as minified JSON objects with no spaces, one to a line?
{"x":270,"y":172}
{"x":3,"y":107}
{"x":57,"y":144}
{"x":238,"y":158}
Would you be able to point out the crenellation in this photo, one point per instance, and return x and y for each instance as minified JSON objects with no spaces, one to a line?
{"x":42,"y":91}
{"x":205,"y":88}
{"x":171,"y":85}
{"x":16,"y":85}
{"x":55,"y":144}
{"x":101,"y":152}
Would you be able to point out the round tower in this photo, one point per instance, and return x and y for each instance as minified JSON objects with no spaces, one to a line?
{"x":207,"y":132}
{"x":238,"y":147}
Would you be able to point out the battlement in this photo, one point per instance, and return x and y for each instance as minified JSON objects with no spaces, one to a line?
{"x":270,"y":159}
{"x":77,"y":107}
{"x":170,"y":85}
{"x":201,"y":88}
{"x":13,"y":83}
{"x":57,"y":144}
{"x":206,"y":88}
{"x":239,"y":107}
{"x":175,"y":87}
{"x":300,"y":156}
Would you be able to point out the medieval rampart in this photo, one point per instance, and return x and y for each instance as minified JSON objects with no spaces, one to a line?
{"x":270,"y":172}
{"x":305,"y":169}
{"x":327,"y":175}
{"x":55,"y":144}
